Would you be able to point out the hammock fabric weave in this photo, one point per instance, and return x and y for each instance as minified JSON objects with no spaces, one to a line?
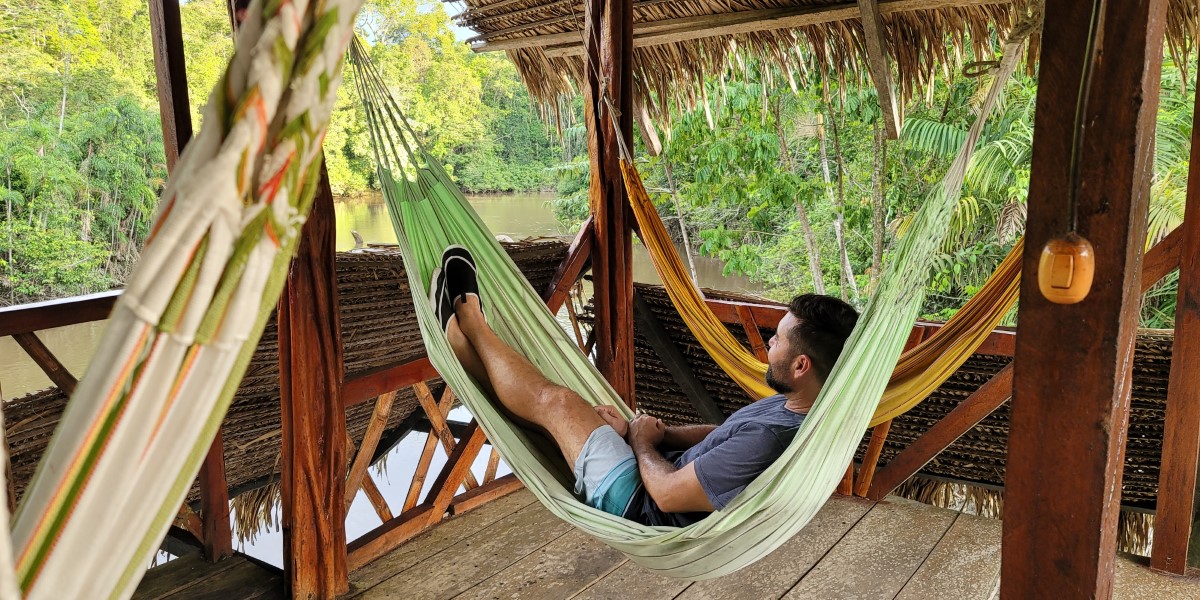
{"x":429,"y":213}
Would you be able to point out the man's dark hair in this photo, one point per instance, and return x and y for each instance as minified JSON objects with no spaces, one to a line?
{"x":824,"y":325}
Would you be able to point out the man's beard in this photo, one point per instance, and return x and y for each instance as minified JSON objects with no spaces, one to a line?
{"x":774,"y":382}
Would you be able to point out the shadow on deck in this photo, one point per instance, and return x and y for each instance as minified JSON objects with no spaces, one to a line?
{"x":854,"y":548}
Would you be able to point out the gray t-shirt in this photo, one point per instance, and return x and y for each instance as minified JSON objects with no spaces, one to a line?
{"x":727,"y":460}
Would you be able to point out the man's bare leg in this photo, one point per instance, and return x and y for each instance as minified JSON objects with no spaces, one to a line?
{"x":521,"y":389}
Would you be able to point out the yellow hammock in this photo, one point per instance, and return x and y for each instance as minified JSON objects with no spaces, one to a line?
{"x":918,"y":372}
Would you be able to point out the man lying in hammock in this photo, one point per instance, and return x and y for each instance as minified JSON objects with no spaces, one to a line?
{"x":640,"y":469}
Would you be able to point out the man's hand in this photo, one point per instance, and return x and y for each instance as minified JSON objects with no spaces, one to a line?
{"x":645,"y":429}
{"x":613,"y":419}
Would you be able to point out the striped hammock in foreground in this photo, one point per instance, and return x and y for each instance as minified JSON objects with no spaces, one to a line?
{"x":429,"y":213}
{"x":144,"y":415}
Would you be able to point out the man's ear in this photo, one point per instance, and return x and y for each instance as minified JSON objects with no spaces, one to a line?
{"x":801,"y":365}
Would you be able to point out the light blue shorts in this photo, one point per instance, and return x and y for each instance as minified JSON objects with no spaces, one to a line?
{"x":606,"y":473}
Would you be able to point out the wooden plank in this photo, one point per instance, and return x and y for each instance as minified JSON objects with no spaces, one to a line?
{"x":571,"y":268}
{"x":445,"y":535}
{"x":846,"y":486}
{"x":753,"y":335}
{"x":437,"y":423}
{"x":871,"y":458}
{"x":965,"y":564}
{"x":366,"y":449}
{"x":489,"y":551}
{"x":480,"y":496}
{"x":166,"y":33}
{"x":1163,"y":258}
{"x":1175,"y":517}
{"x":244,"y":580}
{"x":313,"y":463}
{"x":774,"y":575}
{"x":665,"y":31}
{"x":46,"y":360}
{"x":966,"y":415}
{"x":875,"y":44}
{"x":214,"y":503}
{"x":556,"y":571}
{"x":676,"y":363}
{"x":421,"y":472}
{"x":36,"y":316}
{"x":879,"y":555}
{"x":632,"y":581}
{"x":457,"y":470}
{"x":1073,"y":364}
{"x":493,"y":464}
{"x":368,"y":385}
{"x":608,"y":90}
{"x":174,"y":577}
{"x":375,"y":497}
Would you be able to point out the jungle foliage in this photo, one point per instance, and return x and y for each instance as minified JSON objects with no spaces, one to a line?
{"x":81,"y":143}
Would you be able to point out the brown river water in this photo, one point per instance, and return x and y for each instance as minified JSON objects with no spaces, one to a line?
{"x":515,"y":215}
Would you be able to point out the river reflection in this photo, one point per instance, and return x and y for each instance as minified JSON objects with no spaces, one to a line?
{"x":518,"y":216}
{"x":515,"y":215}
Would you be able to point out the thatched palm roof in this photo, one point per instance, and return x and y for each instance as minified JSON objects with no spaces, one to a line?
{"x":679,"y":42}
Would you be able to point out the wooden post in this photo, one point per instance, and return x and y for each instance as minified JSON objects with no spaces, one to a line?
{"x":608,"y":33}
{"x":170,"y":71}
{"x":1072,"y":370}
{"x":1175,"y":516}
{"x":313,"y":466}
{"x":175,"y":110}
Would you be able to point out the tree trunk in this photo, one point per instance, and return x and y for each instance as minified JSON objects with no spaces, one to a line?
{"x":839,"y":232}
{"x":810,"y":239}
{"x":687,"y":244}
{"x":62,"y":111}
{"x":878,"y":205}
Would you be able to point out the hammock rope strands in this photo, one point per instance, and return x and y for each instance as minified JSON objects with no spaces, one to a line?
{"x":141,"y":420}
{"x":429,"y":213}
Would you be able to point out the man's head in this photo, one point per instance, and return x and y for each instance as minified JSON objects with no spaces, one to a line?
{"x":808,"y":341}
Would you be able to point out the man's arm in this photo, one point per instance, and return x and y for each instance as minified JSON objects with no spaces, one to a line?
{"x":685,"y":436}
{"x":673,"y":489}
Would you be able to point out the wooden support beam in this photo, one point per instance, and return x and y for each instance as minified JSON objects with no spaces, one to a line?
{"x":431,"y":442}
{"x":1175,"y":518}
{"x":437,"y":423}
{"x":36,"y":316}
{"x":489,"y":474}
{"x":1073,"y":365}
{"x":214,"y":503}
{"x":166,"y":32}
{"x":846,"y":486}
{"x":1164,"y":256}
{"x":174,"y":108}
{"x":753,"y":335}
{"x":866,"y":473}
{"x":875,"y":43}
{"x":366,"y":449}
{"x":409,"y":524}
{"x":47,"y":362}
{"x":571,"y":268}
{"x":456,"y":470}
{"x":966,"y":415}
{"x":371,"y":384}
{"x":676,"y":362}
{"x":313,"y":466}
{"x":609,"y":117}
{"x":653,"y":33}
{"x":375,"y":497}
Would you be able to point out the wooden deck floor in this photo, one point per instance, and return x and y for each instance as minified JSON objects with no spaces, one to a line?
{"x":514,"y":548}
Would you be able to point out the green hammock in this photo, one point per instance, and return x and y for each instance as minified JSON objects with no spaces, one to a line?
{"x":429,"y":213}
